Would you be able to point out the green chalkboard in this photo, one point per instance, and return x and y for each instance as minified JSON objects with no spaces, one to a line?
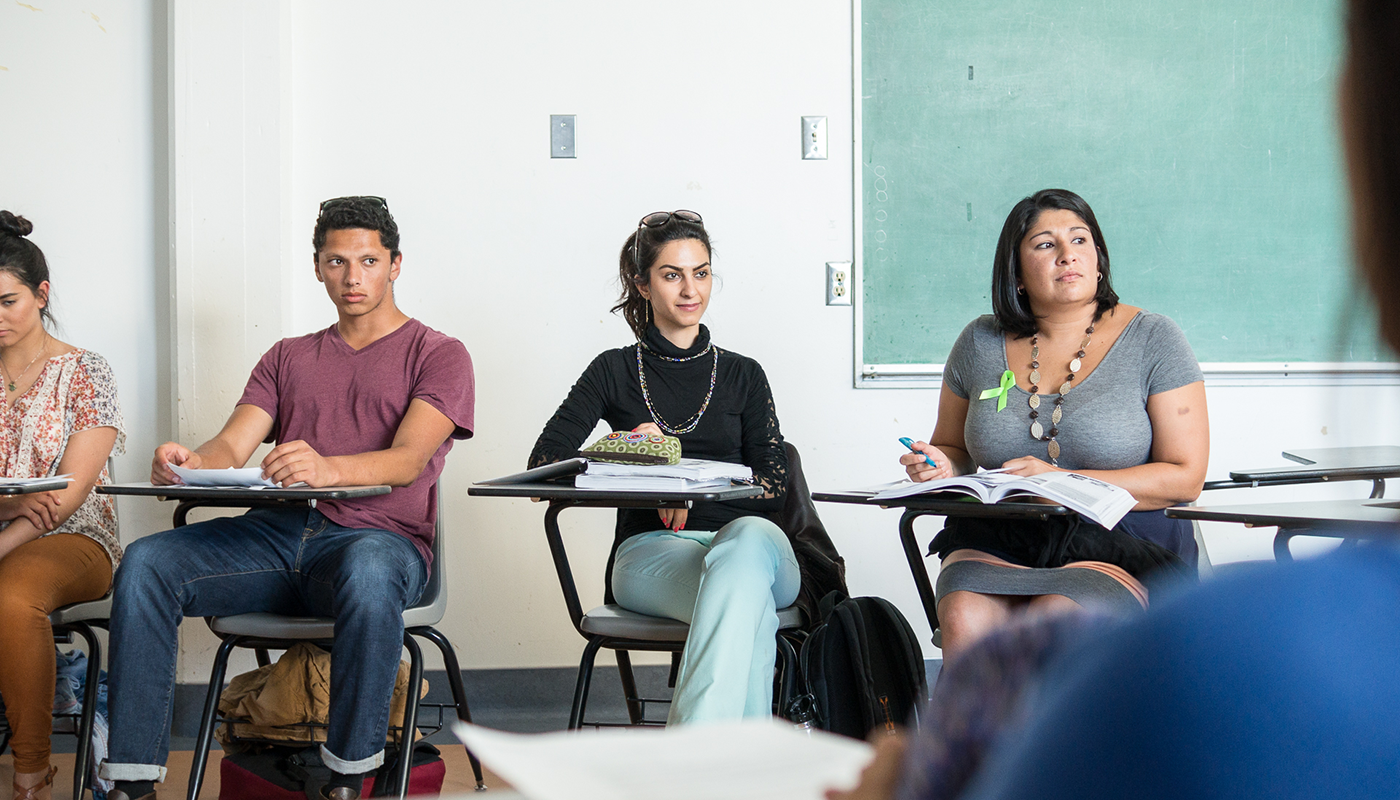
{"x":1202,"y":132}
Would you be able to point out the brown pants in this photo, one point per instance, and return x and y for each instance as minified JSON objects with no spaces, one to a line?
{"x":36,"y":578}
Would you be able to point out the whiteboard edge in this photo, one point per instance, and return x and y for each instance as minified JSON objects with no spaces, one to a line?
{"x":858,"y":213}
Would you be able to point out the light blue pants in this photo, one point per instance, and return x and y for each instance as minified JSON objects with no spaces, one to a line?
{"x":728,"y":585}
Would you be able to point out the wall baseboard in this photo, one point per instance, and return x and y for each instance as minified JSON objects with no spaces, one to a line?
{"x":527,"y":700}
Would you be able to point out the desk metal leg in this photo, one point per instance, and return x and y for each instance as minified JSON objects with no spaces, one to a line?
{"x":181,"y":517}
{"x":205,"y":738}
{"x":82,"y":760}
{"x":1281,"y":540}
{"x":635,"y":712}
{"x":1377,"y":488}
{"x":561,"y":561}
{"x":410,"y":717}
{"x":918,"y":567}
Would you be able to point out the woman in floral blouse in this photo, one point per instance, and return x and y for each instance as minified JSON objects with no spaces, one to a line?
{"x":60,"y":416}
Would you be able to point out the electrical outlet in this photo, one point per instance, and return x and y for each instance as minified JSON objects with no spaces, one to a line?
{"x":561,"y":136}
{"x":814,"y":138}
{"x":838,"y":283}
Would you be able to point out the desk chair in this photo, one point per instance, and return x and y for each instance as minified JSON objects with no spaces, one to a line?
{"x":622,"y":631}
{"x":81,"y":619}
{"x":263,"y":631}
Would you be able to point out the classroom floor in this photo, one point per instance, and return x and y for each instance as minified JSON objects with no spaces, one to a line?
{"x":459,"y":774}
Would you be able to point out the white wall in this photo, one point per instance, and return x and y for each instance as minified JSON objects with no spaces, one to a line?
{"x":443,"y":108}
{"x":81,"y":155}
{"x":445,"y":112}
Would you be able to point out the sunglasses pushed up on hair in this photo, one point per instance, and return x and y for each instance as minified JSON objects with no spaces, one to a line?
{"x":353,"y":200}
{"x":657,"y":219}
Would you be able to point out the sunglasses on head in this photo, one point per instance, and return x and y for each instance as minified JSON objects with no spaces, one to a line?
{"x":658,"y":219}
{"x":337,"y":202}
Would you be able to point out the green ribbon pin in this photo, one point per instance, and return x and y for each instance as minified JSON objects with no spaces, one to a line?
{"x":1008,"y":380}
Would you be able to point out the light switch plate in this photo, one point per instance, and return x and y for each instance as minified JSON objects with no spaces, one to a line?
{"x":838,"y":283}
{"x":814,"y":138}
{"x":561,"y":136}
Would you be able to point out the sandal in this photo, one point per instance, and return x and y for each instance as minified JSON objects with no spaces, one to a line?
{"x":32,"y":792}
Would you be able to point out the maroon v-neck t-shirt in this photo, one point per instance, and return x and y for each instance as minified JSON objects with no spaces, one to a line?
{"x":343,"y":401}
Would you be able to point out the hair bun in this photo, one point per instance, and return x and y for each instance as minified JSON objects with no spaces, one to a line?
{"x":14,"y":225}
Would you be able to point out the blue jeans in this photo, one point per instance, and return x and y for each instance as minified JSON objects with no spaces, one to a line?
{"x":728,"y":585}
{"x":284,"y":561}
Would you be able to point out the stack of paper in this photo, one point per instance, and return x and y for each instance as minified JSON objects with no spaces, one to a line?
{"x":246,"y":478}
{"x":750,"y":760}
{"x":688,"y":474}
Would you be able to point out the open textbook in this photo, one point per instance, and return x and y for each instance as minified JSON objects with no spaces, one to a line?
{"x":1101,"y":502}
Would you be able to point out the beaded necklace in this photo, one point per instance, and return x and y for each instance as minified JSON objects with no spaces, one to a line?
{"x":1037,"y":430}
{"x":690,"y":424}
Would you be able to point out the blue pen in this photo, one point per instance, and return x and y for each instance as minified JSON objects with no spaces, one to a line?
{"x":909,"y":443}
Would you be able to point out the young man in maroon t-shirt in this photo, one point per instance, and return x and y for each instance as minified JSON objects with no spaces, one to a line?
{"x":377,"y":398}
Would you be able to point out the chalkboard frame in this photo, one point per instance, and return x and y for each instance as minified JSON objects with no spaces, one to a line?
{"x":924,"y":376}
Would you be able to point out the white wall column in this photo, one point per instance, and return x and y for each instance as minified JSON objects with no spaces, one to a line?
{"x":230,"y":134}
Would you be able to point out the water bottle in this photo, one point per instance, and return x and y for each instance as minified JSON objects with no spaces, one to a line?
{"x":802,"y":713}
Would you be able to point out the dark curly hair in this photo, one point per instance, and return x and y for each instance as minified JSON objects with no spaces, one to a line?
{"x":369,"y":213}
{"x":23,"y":259}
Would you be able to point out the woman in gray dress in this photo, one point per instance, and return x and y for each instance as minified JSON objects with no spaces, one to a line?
{"x":1062,"y":376}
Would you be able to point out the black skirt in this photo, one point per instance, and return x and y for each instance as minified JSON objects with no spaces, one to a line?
{"x":1060,"y":540}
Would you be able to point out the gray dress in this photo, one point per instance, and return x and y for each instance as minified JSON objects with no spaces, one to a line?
{"x":1105,"y":427}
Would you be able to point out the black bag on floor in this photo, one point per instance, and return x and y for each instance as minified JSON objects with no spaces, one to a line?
{"x":863,"y":668}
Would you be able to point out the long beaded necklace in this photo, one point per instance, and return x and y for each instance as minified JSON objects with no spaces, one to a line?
{"x":1038,"y":430}
{"x":690,"y":424}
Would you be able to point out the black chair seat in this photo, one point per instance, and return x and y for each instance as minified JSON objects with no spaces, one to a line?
{"x":615,"y":622}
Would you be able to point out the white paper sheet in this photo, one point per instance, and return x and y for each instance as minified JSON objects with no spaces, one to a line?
{"x":247,"y":477}
{"x":749,"y":760}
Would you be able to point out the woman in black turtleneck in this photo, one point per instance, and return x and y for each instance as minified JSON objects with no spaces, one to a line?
{"x":725,"y":568}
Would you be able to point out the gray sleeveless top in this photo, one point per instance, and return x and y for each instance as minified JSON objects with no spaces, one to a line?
{"x":1105,"y":423}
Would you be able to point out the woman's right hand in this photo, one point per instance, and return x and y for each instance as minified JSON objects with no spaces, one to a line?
{"x":673,"y":519}
{"x":919,"y":470}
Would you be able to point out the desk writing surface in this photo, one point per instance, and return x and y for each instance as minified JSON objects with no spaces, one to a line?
{"x":948,"y":504}
{"x":1329,"y":463}
{"x":1355,"y":517}
{"x":51,"y":485}
{"x":180,"y":492}
{"x":564,"y":491}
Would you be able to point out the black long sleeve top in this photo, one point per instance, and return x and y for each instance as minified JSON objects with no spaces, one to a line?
{"x":739,"y":426}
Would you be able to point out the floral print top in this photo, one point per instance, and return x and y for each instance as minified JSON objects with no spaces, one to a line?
{"x":74,"y":392}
